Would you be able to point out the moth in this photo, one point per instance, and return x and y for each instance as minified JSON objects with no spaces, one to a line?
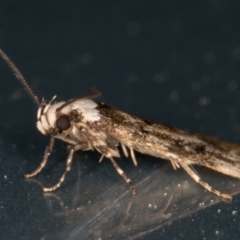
{"x":88,"y":125}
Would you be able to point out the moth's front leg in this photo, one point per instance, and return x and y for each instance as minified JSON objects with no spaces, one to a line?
{"x":47,"y":153}
{"x":72,"y":149}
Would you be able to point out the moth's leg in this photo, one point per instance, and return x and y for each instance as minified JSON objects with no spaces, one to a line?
{"x":127,"y":179}
{"x":101,"y":158}
{"x":47,"y":153}
{"x":82,"y":146}
{"x":61,"y":180}
{"x":124,"y":149}
{"x":196,"y":178}
{"x":133,"y":157}
{"x":175,"y":164}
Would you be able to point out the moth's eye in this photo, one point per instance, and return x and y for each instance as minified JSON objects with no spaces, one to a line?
{"x":63,"y":123}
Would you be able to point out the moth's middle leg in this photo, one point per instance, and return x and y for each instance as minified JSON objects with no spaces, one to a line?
{"x":125,"y":177}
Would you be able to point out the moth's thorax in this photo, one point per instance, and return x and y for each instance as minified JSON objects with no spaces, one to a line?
{"x":48,"y":114}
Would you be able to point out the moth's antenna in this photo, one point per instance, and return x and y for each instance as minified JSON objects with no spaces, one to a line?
{"x":19,"y":76}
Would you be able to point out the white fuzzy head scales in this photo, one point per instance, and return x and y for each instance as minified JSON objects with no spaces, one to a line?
{"x":46,"y":116}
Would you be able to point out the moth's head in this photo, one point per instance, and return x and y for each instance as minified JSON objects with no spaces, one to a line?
{"x":49,"y":120}
{"x":53,"y":118}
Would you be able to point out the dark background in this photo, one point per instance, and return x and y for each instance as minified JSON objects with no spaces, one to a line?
{"x":176,"y":62}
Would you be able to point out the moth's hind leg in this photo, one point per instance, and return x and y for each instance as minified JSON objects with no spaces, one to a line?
{"x":125,"y":177}
{"x":47,"y":153}
{"x":196,"y":178}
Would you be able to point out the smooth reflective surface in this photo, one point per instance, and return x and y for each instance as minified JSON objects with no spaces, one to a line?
{"x":172,"y":62}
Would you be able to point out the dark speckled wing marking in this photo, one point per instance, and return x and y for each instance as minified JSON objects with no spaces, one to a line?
{"x":182,"y":148}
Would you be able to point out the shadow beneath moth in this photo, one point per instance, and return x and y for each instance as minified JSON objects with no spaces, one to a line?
{"x":88,"y":125}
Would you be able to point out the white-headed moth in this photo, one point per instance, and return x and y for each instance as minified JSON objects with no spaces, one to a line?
{"x":88,"y":125}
